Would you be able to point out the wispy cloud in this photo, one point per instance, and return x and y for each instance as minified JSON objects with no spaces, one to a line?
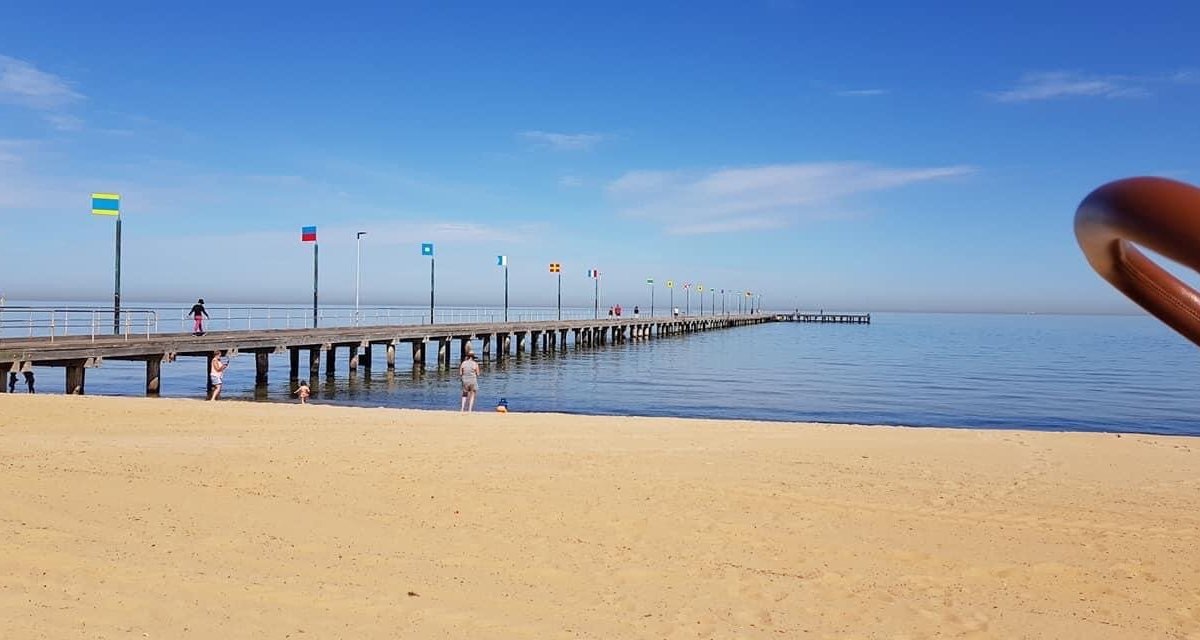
{"x":570,"y":182}
{"x":756,"y":198}
{"x":1053,"y":85}
{"x":64,"y":122}
{"x":23,"y":84}
{"x":861,"y":93}
{"x":562,"y":141}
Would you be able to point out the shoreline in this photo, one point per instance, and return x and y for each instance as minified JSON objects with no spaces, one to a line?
{"x":169,"y":517}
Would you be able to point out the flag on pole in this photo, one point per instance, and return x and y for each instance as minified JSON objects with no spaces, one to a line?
{"x":593,"y":273}
{"x":501,"y":261}
{"x":649,"y":280}
{"x":427,"y":249}
{"x":670,"y":284}
{"x":555,"y":267}
{"x":699,"y":287}
{"x":106,"y":204}
{"x":687,"y":285}
{"x":308,"y":234}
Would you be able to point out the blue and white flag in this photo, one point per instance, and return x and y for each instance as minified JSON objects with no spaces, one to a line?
{"x":501,"y":261}
{"x":594,"y":273}
{"x":427,"y":249}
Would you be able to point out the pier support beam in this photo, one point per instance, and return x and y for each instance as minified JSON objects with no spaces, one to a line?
{"x":153,"y":375}
{"x":75,"y":371}
{"x":314,"y":362}
{"x":262,"y":362}
{"x":365,"y":360}
{"x":487,"y":346}
{"x":293,"y":364}
{"x":506,"y":344}
{"x":521,"y":336}
{"x":391,"y":356}
{"x":443,"y":354}
{"x":418,"y":353}
{"x":353,"y":358}
{"x":562,"y":337}
{"x":330,"y":361}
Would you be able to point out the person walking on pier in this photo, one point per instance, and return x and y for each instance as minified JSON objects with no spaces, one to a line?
{"x":198,"y":315}
{"x":469,"y":370}
{"x":216,"y":374}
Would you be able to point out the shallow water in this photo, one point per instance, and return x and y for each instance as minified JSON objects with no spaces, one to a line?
{"x":1107,"y":373}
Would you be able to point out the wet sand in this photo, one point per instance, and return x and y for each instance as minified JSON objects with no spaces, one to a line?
{"x":145,"y":518}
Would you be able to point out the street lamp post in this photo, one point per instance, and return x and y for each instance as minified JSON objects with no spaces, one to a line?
{"x":357,"y":272}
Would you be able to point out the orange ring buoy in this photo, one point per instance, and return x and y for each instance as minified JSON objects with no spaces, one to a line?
{"x":1161,"y":215}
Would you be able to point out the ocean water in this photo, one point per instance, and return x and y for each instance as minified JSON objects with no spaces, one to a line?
{"x":1050,"y":372}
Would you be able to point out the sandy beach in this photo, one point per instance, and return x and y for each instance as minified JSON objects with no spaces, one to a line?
{"x":155,"y":518}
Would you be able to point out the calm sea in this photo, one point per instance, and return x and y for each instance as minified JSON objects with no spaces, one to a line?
{"x":1087,"y":373}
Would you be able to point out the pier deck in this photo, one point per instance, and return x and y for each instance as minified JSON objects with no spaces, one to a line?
{"x":78,"y":353}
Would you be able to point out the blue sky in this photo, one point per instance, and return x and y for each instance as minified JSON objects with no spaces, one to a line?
{"x":854,"y":156}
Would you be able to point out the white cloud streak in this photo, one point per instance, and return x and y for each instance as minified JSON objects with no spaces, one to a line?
{"x":1055,"y":85}
{"x":756,"y":198}
{"x":861,"y":93}
{"x":25,"y":85}
{"x":562,"y":141}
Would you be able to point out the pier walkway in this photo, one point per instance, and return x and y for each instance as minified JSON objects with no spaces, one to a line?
{"x":839,"y":318}
{"x":360,"y":344}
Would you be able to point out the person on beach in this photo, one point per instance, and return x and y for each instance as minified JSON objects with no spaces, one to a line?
{"x":216,"y":373}
{"x":198,"y":315}
{"x":302,"y":392}
{"x":27,"y":371}
{"x":12,"y":381}
{"x":469,"y":371}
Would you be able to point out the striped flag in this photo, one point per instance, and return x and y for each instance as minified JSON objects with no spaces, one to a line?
{"x":501,"y":261}
{"x":106,"y":204}
{"x":594,"y":273}
{"x":308,"y":234}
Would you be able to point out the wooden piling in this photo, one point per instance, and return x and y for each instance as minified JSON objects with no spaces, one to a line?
{"x":75,"y":376}
{"x":391,"y":356}
{"x":293,"y":363}
{"x":262,"y":362}
{"x":153,"y":375}
{"x":330,"y":361}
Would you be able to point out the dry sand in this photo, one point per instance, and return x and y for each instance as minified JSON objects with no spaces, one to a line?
{"x":137,"y":518}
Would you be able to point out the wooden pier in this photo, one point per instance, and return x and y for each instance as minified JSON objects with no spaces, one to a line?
{"x":359,"y":345}
{"x":839,"y":318}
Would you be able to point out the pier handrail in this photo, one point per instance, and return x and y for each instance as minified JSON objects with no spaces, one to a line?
{"x":73,"y":321}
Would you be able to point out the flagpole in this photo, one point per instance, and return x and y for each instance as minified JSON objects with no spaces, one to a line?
{"x":430,"y":289}
{"x":315,"y":272}
{"x":506,"y":290}
{"x":117,"y":287}
{"x":651,"y":299}
{"x":560,"y":295}
{"x":595,"y":297}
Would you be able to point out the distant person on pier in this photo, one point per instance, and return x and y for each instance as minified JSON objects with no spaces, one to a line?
{"x":617,"y":310}
{"x":675,"y":312}
{"x":303,"y":392}
{"x":635,"y":311}
{"x":610,"y":312}
{"x":198,"y":315}
{"x":216,"y":374}
{"x":469,"y":371}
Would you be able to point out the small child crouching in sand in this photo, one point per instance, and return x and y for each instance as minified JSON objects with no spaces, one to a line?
{"x":303,"y":392}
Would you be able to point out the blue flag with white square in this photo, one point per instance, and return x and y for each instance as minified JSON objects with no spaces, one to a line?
{"x":427,"y":249}
{"x":501,"y":261}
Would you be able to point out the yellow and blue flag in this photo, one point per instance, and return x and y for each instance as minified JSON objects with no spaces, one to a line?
{"x":106,"y":204}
